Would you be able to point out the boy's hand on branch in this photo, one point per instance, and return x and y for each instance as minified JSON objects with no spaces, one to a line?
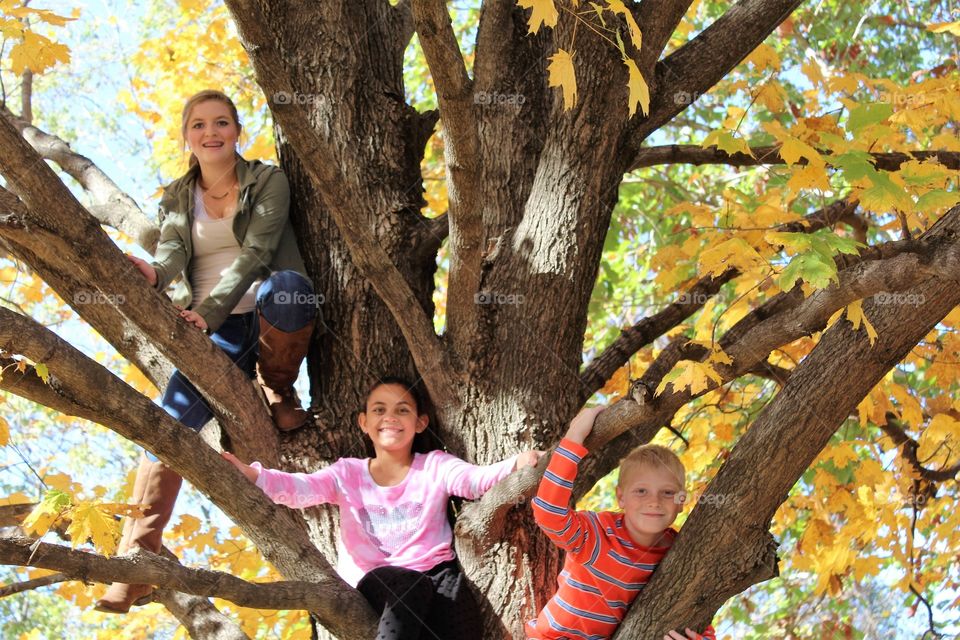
{"x":145,"y":268}
{"x":528,"y":459}
{"x":676,"y":635}
{"x":249,"y":472}
{"x":582,"y":424}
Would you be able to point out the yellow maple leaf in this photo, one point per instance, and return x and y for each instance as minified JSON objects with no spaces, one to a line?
{"x":94,"y":522}
{"x":793,"y":149}
{"x":764,"y":57}
{"x":733,"y":252}
{"x":618,"y":384}
{"x":544,"y":13}
{"x":856,"y":315}
{"x":639,"y":92}
{"x":617,"y":7}
{"x":940,"y":441}
{"x":37,"y":53}
{"x":4,"y":433}
{"x":688,"y":374}
{"x":562,"y":75}
{"x":945,"y":27}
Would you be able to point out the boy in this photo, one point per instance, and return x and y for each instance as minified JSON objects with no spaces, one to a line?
{"x":609,"y":555}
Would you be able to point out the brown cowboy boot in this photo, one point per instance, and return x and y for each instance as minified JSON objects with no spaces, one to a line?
{"x":156,"y":486}
{"x":277,"y":367}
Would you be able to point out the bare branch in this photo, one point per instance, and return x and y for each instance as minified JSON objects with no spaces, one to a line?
{"x":26,"y":95}
{"x":769,"y":155}
{"x":199,"y":617}
{"x":657,"y":20}
{"x":462,"y":158}
{"x":111,"y":206}
{"x":143,"y":567}
{"x":30,"y":585}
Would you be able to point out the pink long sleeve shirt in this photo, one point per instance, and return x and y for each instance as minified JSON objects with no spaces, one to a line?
{"x":401,"y":526}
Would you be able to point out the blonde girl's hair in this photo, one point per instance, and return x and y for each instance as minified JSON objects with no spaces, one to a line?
{"x":656,"y":456}
{"x":197,"y":98}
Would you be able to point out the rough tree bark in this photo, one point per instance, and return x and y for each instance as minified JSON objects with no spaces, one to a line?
{"x":531,"y":190}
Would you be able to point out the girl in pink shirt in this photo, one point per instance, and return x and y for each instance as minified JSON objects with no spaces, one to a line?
{"x":396,"y":545}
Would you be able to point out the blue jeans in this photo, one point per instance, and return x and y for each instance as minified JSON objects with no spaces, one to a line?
{"x":286,"y":300}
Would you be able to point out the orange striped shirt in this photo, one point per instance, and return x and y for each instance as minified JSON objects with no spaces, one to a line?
{"x":604,"y":569}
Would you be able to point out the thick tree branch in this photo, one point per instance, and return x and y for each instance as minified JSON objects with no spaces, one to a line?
{"x":725,"y":545}
{"x":908,"y":449}
{"x":657,"y":20}
{"x":935,"y":256}
{"x":199,"y":617}
{"x":276,"y":530}
{"x":141,"y":566}
{"x":111,"y":206}
{"x":767,"y":155}
{"x":701,"y":63}
{"x":631,"y":340}
{"x":462,"y":159}
{"x":429,"y":355}
{"x":51,"y":224}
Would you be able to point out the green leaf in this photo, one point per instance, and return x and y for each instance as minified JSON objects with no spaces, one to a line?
{"x":866,"y":114}
{"x":42,"y":371}
{"x":812,"y":268}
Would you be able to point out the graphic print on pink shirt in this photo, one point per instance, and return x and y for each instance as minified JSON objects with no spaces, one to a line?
{"x":391,"y":527}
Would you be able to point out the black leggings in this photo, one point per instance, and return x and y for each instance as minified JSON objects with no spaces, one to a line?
{"x":435,"y":604}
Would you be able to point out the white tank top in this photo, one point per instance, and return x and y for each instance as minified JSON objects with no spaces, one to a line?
{"x":214,"y":250}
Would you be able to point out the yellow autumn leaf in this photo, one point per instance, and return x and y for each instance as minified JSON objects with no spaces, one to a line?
{"x":764,"y":57}
{"x":639,"y":92}
{"x":940,"y":441}
{"x":4,"y":433}
{"x":688,"y":374}
{"x":54,"y":505}
{"x":562,"y":75}
{"x":945,"y":27}
{"x":37,"y":53}
{"x":544,"y":13}
{"x":734,"y":252}
{"x":793,"y":149}
{"x":617,"y":7}
{"x":727,"y":142}
{"x":856,"y":315}
{"x":93,"y":522}
{"x":618,"y":384}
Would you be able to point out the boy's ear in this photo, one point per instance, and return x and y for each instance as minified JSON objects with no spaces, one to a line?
{"x":422,"y":422}
{"x":619,"y":493}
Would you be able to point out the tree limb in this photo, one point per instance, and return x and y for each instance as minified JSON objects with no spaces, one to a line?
{"x":29,"y":585}
{"x":767,"y":155}
{"x":908,"y":449}
{"x":429,"y":355}
{"x":111,"y":206}
{"x":276,"y":530}
{"x":725,"y":545}
{"x":462,"y":160}
{"x":199,"y":617}
{"x":53,"y":225}
{"x":936,"y":257}
{"x":657,"y":20}
{"x":631,"y":340}
{"x":701,"y":63}
{"x":143,"y":567}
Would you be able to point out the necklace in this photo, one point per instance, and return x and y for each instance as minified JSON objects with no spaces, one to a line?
{"x":206,"y":192}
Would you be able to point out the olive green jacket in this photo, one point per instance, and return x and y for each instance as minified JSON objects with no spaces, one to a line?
{"x":261,"y":226}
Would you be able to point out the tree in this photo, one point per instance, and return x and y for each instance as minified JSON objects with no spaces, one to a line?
{"x":554,"y":105}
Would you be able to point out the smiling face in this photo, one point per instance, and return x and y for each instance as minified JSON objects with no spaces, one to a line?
{"x":391,"y":419}
{"x":212,"y":132}
{"x":651,"y":499}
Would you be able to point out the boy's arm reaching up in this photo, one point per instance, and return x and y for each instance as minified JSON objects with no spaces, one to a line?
{"x":551,"y":508}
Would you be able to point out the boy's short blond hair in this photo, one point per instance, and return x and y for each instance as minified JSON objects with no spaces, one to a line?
{"x":652,"y":455}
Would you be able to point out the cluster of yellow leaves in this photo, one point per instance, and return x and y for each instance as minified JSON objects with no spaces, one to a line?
{"x":561,"y":70}
{"x":200,"y":51}
{"x":32,"y":50}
